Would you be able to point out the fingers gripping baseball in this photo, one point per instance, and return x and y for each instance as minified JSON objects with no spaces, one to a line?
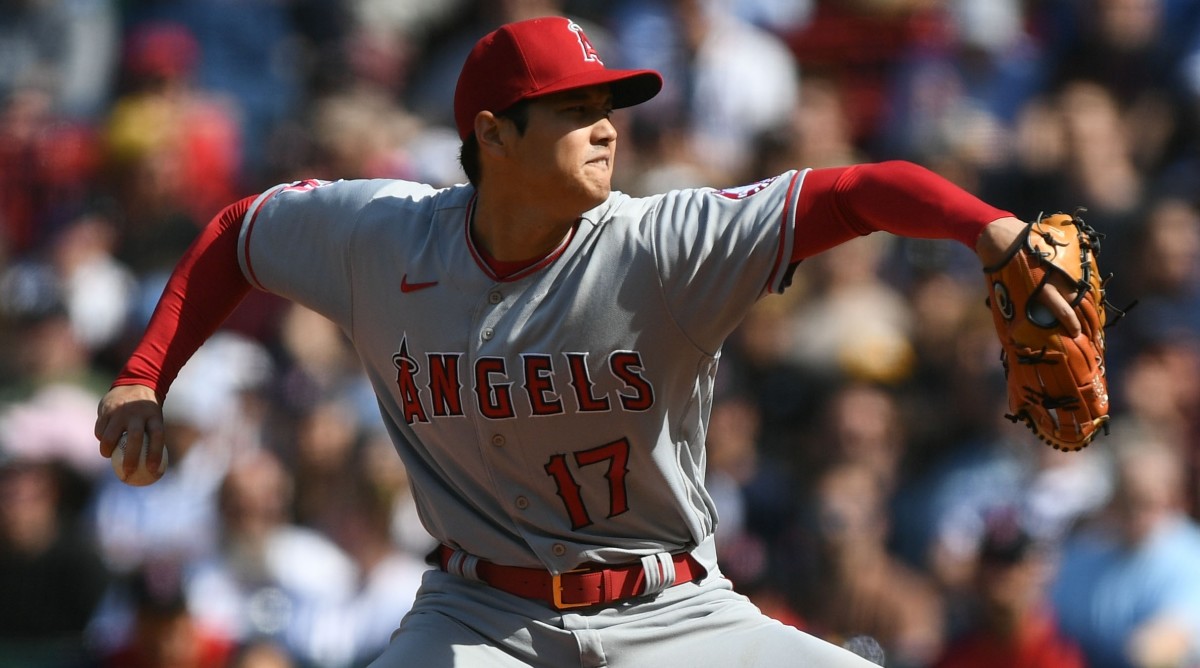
{"x":135,"y":412}
{"x":142,"y":474}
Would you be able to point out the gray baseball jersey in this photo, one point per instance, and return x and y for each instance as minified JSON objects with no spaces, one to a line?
{"x":551,"y":417}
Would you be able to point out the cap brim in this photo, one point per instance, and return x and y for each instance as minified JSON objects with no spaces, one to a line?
{"x":629,"y":87}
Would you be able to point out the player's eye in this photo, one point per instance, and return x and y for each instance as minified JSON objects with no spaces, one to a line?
{"x":590,"y":112}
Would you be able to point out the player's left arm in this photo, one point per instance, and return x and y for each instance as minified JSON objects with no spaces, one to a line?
{"x":839,"y":203}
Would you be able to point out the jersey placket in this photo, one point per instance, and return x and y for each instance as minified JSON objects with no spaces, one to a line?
{"x":499,"y":405}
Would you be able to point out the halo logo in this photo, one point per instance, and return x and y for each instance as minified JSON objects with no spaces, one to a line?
{"x":589,"y":51}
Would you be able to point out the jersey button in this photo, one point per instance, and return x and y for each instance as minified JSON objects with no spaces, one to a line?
{"x":498,"y":440}
{"x":522,"y":502}
{"x":488,"y":333}
{"x":495,"y":298}
{"x":559,"y":549}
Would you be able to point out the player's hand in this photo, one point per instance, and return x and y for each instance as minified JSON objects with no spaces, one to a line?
{"x":996,"y":244}
{"x":134,"y":409}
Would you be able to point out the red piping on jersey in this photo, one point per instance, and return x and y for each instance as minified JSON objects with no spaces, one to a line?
{"x":246,"y":246}
{"x":481,"y":259}
{"x":245,"y":249}
{"x":773,"y":279}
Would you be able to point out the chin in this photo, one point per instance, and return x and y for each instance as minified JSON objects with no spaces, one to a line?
{"x":598,"y":199}
{"x":594,"y":194}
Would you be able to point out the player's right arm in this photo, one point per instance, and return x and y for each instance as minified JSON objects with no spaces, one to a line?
{"x":205,"y":287}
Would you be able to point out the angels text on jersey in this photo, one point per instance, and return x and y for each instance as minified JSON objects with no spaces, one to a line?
{"x":437,"y":385}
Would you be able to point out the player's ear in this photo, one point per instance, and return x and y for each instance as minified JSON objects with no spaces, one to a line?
{"x":489,"y":131}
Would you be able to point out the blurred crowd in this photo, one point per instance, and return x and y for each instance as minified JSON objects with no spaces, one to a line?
{"x":867,"y":480}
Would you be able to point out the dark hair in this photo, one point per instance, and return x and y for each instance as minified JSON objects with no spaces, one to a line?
{"x":468,"y":157}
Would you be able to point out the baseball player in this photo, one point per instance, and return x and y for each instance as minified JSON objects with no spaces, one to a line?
{"x":544,"y":349}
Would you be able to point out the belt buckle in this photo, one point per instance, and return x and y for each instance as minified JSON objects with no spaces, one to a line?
{"x":556,"y":591}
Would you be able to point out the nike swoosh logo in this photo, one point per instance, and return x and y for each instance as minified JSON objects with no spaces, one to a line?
{"x":407,"y":287}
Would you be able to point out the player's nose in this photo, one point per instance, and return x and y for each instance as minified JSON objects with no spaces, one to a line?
{"x":604,"y":132}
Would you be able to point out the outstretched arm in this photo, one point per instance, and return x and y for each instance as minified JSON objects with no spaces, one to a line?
{"x":205,"y":287}
{"x":840,"y":203}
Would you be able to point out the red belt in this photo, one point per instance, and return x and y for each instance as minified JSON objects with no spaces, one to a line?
{"x":579,"y":588}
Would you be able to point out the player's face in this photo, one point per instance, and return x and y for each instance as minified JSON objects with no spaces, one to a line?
{"x":569,"y":147}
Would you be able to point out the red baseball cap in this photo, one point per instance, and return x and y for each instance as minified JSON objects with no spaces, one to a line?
{"x":537,"y":57}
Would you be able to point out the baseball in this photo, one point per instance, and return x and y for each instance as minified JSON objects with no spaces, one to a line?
{"x":141,"y":476}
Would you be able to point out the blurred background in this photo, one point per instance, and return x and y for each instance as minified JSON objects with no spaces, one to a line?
{"x":867,"y":481}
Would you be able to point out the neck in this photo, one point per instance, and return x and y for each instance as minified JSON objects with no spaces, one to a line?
{"x":513,"y":231}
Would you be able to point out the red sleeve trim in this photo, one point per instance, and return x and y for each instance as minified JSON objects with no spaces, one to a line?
{"x":205,"y":287}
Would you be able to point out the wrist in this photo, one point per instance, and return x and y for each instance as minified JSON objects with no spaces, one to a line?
{"x":999,"y":240}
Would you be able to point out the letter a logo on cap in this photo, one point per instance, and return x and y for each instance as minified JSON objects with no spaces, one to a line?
{"x":589,"y":51}
{"x":532,"y":58}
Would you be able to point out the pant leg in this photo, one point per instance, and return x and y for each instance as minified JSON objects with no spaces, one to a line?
{"x":711,"y":626}
{"x":434,"y":640}
{"x":458,"y":623}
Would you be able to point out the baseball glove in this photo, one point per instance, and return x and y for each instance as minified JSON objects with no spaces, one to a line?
{"x":1056,"y":384}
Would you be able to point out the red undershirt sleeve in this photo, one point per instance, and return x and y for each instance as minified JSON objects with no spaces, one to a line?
{"x":840,"y":203}
{"x":205,"y":287}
